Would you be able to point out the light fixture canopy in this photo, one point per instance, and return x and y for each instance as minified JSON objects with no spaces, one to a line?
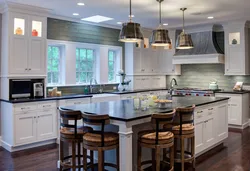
{"x":184,"y":41}
{"x":130,"y":32}
{"x":160,"y":36}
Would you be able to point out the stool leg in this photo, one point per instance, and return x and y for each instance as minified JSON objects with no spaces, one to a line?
{"x":193,"y":150}
{"x":100,"y":160}
{"x":158,"y":158}
{"x":118,"y":158}
{"x":164,"y":154}
{"x":73,"y":156}
{"x":79,"y":155}
{"x":171,"y":157}
{"x":153,"y":160}
{"x":182,"y":154}
{"x":61,"y":155}
{"x":138,"y":156}
{"x":92,"y":160}
{"x":175,"y":147}
{"x":84,"y":159}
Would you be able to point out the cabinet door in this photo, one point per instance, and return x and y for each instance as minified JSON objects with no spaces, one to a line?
{"x":46,"y":124}
{"x":235,"y":60}
{"x":199,"y":137}
{"x":137,"y":60}
{"x":145,"y":60}
{"x":234,"y":114}
{"x":18,"y":63}
{"x":154,"y":61}
{"x":209,"y":132}
{"x":222,"y":122}
{"x":37,"y":56}
{"x":25,"y":128}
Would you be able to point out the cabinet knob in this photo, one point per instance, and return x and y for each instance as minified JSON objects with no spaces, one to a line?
{"x":227,"y":69}
{"x":26,"y":69}
{"x":29,"y":69}
{"x":172,"y":69}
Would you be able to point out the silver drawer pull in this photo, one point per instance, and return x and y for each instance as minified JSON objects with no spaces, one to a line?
{"x":23,"y":108}
{"x":211,"y":109}
{"x":46,"y":105}
{"x":200,"y":112}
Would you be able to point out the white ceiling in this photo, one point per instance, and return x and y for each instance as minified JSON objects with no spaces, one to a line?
{"x":146,"y":11}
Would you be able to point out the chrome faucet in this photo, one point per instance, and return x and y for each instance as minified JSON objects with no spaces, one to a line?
{"x":172,"y":86}
{"x":91,"y":86}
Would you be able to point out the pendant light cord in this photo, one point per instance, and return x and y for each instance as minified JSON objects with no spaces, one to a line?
{"x":130,"y":11}
{"x":183,"y":21}
{"x":160,"y":11}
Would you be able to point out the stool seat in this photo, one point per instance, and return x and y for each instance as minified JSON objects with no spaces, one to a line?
{"x":186,"y":129}
{"x":80,"y":130}
{"x":95,"y":139}
{"x":150,"y":137}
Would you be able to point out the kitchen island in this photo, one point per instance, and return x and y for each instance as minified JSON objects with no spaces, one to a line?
{"x":210,"y":117}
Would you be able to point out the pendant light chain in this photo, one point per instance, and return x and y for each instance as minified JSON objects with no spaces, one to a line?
{"x":183,"y":21}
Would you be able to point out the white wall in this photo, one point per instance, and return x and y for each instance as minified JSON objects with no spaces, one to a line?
{"x":68,"y":62}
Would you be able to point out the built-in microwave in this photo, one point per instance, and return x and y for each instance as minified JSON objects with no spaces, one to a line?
{"x":23,"y":88}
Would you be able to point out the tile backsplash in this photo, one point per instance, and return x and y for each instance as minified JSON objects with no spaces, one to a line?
{"x":200,"y":75}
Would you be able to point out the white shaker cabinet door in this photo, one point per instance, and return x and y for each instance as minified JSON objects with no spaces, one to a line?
{"x":199,"y":137}
{"x":137,"y":61}
{"x":222,"y":122}
{"x":209,"y":132}
{"x":25,"y":128}
{"x":46,"y":124}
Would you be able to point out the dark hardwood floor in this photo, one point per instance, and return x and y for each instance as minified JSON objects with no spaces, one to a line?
{"x":234,"y":156}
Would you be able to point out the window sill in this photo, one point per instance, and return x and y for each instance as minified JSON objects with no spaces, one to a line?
{"x":72,"y":85}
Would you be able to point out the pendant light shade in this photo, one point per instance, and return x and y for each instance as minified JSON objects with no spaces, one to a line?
{"x":184,"y":41}
{"x":160,"y":36}
{"x":130,"y":32}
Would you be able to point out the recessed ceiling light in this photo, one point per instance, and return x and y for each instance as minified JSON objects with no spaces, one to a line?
{"x":80,"y":4}
{"x":131,"y":16}
{"x":210,"y":17}
{"x":165,"y":24}
{"x":119,"y":22}
{"x":97,"y":19}
{"x":75,"y":14}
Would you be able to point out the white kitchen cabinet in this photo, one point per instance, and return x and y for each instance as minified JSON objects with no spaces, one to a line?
{"x":166,"y":65}
{"x":237,"y":48}
{"x":24,"y":49}
{"x":25,"y":128}
{"x":46,"y":124}
{"x":210,"y":126}
{"x":238,"y":109}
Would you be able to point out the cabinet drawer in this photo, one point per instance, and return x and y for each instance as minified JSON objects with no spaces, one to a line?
{"x":47,"y":105}
{"x":25,"y":107}
{"x":210,"y":112}
{"x":200,"y":115}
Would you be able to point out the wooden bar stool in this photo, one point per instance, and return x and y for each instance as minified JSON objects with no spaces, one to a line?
{"x":183,"y":129}
{"x":156,"y":140}
{"x":73,"y":134}
{"x":99,"y":141}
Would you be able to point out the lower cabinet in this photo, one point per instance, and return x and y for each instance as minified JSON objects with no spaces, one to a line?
{"x":211,"y":126}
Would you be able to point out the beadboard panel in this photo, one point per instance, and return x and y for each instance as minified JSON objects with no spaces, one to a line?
{"x":79,"y":32}
{"x":200,"y":75}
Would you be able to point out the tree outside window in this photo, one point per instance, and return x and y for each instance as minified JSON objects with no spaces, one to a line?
{"x":53,"y":65}
{"x":85,"y":65}
{"x":111,"y":66}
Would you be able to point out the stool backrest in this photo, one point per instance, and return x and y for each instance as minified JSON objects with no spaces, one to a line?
{"x":184,"y":116}
{"x":160,"y":119}
{"x":97,"y":120}
{"x":69,"y":115}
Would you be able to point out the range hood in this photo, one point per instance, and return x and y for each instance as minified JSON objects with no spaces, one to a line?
{"x":208,"y":46}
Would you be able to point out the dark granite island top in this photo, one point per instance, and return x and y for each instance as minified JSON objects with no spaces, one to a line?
{"x":123,"y":110}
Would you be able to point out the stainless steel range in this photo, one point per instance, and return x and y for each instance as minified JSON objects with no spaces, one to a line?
{"x":194,"y":92}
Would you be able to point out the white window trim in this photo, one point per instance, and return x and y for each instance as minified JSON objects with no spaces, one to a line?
{"x":68,"y":64}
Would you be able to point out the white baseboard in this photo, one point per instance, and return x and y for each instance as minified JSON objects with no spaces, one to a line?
{"x":11,"y":148}
{"x":245,"y":125}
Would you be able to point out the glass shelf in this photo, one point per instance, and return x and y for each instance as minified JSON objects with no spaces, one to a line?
{"x":234,"y":38}
{"x":19,"y":26}
{"x":36,"y":29}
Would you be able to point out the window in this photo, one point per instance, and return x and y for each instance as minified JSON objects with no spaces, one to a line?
{"x":53,"y":65}
{"x":85,"y":65}
{"x":111,"y":66}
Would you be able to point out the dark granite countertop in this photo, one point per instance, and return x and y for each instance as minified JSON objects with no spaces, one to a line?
{"x":46,"y":99}
{"x":233,"y":92}
{"x":123,"y":110}
{"x":134,"y":91}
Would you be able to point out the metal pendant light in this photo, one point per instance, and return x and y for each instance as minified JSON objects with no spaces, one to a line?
{"x":184,"y":41}
{"x":130,"y":32}
{"x":159,"y":36}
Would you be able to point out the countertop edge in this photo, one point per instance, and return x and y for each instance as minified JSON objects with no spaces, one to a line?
{"x":45,"y":99}
{"x":233,"y":92}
